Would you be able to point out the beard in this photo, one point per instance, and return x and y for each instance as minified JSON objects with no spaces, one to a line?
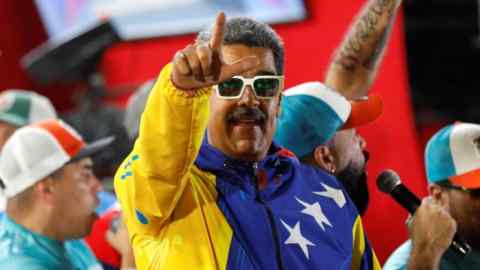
{"x":472,"y":238}
{"x":354,"y":181}
{"x":467,"y":225}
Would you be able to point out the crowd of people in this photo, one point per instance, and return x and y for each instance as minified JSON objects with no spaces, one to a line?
{"x":229,"y":170}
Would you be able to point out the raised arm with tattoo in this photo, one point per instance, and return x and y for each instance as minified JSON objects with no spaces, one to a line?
{"x":355,"y":62}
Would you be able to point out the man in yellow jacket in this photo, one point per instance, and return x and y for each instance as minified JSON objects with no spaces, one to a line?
{"x":206,"y":188}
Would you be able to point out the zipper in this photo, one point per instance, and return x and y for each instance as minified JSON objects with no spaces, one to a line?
{"x":271,"y":221}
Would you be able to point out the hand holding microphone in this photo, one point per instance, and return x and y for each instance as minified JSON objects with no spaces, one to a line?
{"x":433,"y":229}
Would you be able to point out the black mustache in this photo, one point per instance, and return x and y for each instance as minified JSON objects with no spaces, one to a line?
{"x":250,"y":113}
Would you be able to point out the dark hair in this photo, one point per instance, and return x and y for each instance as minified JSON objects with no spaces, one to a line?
{"x":251,"y":33}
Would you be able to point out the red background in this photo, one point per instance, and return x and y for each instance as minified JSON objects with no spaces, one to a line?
{"x":392,"y":139}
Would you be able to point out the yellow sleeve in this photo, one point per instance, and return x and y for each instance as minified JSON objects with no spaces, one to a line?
{"x":153,"y":177}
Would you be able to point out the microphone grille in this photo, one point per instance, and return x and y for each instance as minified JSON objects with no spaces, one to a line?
{"x":388,"y":180}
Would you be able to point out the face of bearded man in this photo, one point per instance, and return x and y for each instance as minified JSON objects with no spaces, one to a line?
{"x":350,"y":158}
{"x":355,"y":182}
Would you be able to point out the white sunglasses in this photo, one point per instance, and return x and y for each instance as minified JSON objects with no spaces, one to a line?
{"x":264,"y":86}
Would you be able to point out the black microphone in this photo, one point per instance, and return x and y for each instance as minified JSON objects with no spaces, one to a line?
{"x":389,"y":182}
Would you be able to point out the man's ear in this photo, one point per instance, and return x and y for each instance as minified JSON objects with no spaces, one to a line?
{"x":324,"y":158}
{"x":279,"y":107}
{"x":440,"y":195}
{"x":45,"y":189}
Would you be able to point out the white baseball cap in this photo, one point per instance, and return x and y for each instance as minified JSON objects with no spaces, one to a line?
{"x":22,"y":107}
{"x":33,"y":152}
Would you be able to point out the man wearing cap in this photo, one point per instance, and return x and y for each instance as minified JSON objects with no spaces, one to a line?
{"x":19,"y":108}
{"x":311,"y":115}
{"x":309,"y":132}
{"x":452,"y":162}
{"x":46,"y":174}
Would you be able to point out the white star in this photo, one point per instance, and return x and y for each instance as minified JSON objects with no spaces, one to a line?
{"x":297,"y":238}
{"x":334,"y":194}
{"x":316,"y":212}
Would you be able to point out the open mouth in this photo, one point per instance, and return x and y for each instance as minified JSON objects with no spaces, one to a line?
{"x":247,"y":123}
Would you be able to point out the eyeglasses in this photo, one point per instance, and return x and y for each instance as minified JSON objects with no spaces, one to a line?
{"x":264,"y":86}
{"x":473,"y":192}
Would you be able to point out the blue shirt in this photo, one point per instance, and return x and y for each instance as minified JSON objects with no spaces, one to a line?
{"x":450,"y":261}
{"x":24,"y":249}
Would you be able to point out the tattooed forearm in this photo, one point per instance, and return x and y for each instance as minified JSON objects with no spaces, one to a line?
{"x":366,"y":41}
{"x":372,"y":60}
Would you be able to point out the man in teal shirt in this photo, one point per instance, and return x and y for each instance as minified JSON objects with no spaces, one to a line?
{"x":452,"y":161}
{"x":22,"y":248}
{"x":46,"y":174}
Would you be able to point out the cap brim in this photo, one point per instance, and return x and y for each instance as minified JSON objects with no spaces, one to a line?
{"x":12,"y":119}
{"x":93,"y":148}
{"x":364,"y":111}
{"x":470,"y":180}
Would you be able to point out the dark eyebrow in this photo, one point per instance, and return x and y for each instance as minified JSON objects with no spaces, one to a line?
{"x":88,"y":165}
{"x":265,"y":72}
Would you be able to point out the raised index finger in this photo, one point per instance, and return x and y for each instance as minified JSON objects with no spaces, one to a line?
{"x":217,"y":34}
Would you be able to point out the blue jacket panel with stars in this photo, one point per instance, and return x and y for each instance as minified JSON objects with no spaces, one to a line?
{"x":299,"y":218}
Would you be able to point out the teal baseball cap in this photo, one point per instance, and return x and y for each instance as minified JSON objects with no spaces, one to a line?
{"x":22,"y":107}
{"x":453,"y":153}
{"x":311,"y":113}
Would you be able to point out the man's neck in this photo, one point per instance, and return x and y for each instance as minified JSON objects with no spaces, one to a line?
{"x":35,"y":221}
